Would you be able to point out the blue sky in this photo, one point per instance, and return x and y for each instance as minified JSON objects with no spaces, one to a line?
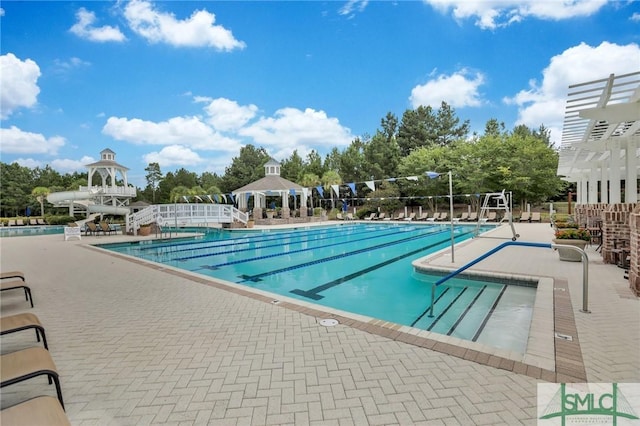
{"x":186,"y":84}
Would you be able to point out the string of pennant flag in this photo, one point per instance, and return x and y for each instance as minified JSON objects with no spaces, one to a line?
{"x":225,"y":198}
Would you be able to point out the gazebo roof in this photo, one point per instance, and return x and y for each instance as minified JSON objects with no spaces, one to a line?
{"x":272,"y":183}
{"x":599,"y":115}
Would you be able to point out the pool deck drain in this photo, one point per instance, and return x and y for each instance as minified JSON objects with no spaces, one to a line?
{"x":569,"y":365}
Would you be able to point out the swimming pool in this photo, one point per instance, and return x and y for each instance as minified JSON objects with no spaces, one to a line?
{"x":25,"y":231}
{"x":363,"y":268}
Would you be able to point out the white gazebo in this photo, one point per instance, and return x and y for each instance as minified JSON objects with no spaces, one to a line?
{"x":271,"y":184}
{"x":600,"y":139}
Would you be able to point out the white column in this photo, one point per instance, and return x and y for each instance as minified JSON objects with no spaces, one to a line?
{"x":631,"y":184}
{"x":604,"y":179}
{"x":614,"y":175}
{"x":582,"y":191}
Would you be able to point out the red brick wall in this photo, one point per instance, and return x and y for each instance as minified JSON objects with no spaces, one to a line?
{"x":634,"y":267}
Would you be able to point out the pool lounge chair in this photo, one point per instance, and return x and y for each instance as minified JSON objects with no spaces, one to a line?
{"x":11,"y":222}
{"x":525,"y":217}
{"x":91,"y":228}
{"x":382,"y":216}
{"x":443,"y":216}
{"x":41,"y":222}
{"x":473,"y":217}
{"x":42,"y":410}
{"x":535,"y":217}
{"x":12,"y":274}
{"x":19,"y":322}
{"x":27,"y":364}
{"x":106,"y":228}
{"x":423,"y":216}
{"x":433,"y":218}
{"x":400,"y":216}
{"x":464,"y":216}
{"x":15,"y":285}
{"x":372,"y":216}
{"x":19,"y":222}
{"x":350,"y":216}
{"x":492,"y":216}
{"x":411,"y":217}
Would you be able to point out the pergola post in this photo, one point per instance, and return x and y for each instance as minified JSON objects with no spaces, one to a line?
{"x":614,"y":174}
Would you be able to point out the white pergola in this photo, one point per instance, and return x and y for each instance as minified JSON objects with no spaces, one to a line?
{"x":600,"y":139}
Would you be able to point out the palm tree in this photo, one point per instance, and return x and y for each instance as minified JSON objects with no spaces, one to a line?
{"x":41,"y":192}
{"x":177,"y":193}
{"x":329,"y":178}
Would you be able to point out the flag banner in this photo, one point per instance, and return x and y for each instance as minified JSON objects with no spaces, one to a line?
{"x":197,"y":197}
{"x":336,"y":190}
{"x":215,"y":197}
{"x":320,"y":191}
{"x":391,"y":180}
{"x":210,"y":199}
{"x":248,"y":196}
{"x":432,"y":175}
{"x":292,"y":192}
{"x":352,"y":186}
{"x":371,"y":185}
{"x":231,"y":197}
{"x":412,"y":177}
{"x":224,"y":197}
{"x":184,"y":197}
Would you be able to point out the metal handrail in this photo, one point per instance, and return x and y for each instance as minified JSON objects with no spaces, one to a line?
{"x":585,"y":269}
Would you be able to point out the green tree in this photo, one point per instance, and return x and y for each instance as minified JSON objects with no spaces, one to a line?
{"x":292,"y":168}
{"x":417,"y":129}
{"x":153,"y":177}
{"x":448,"y":127}
{"x":385,"y":198}
{"x":382,"y":156}
{"x":314,"y":163}
{"x":15,"y":191}
{"x":179,"y":193}
{"x":352,"y":162}
{"x":40,"y":193}
{"x":329,"y":178}
{"x":244,"y":169}
{"x":310,"y":180}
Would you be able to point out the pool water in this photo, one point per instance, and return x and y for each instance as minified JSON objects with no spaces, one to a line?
{"x":25,"y":231}
{"x":360,"y":268}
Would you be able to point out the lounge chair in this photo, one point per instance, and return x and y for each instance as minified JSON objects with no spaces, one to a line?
{"x":41,"y":222}
{"x":19,"y":222}
{"x":535,"y":217}
{"x":26,"y":364}
{"x":382,"y":216}
{"x":399,"y":217}
{"x":464,"y":216}
{"x":525,"y":217}
{"x":433,"y":218}
{"x":411,"y":217}
{"x":423,"y":216}
{"x":17,"y":284}
{"x":14,"y":323}
{"x":12,"y":274}
{"x":33,"y":222}
{"x":492,"y":216}
{"x":443,"y":216}
{"x":473,"y":217}
{"x":43,"y":410}
{"x":372,"y":216}
{"x":349,"y":216}
{"x":106,"y":228}
{"x":12,"y":222}
{"x":91,"y":229}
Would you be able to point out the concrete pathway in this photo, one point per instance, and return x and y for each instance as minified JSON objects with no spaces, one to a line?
{"x":138,"y":344}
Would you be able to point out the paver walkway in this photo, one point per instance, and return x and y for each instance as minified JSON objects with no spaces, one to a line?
{"x":137,"y":345}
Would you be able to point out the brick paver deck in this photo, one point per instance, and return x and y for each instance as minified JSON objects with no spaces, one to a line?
{"x":136,"y":344}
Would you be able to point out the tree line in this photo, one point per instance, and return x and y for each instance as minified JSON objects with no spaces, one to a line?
{"x":521,"y":160}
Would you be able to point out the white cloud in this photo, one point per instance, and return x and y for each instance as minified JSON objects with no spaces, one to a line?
{"x":225,"y":115}
{"x":500,"y":13}
{"x":67,"y":165}
{"x":291,"y":129}
{"x":635,"y":17}
{"x":1,"y":11}
{"x":16,"y":141}
{"x":29,"y":162}
{"x":459,"y":90}
{"x":19,"y":82}
{"x":196,"y":31}
{"x":173,"y":155}
{"x":352,"y":6}
{"x":186,"y":131}
{"x":544,"y":103}
{"x":84,"y":28}
{"x":64,"y":67}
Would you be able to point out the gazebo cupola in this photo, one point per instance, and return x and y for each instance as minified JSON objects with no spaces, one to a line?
{"x":272,"y":168}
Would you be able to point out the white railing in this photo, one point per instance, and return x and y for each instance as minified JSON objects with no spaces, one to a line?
{"x":187,"y":214}
{"x":124,"y":191}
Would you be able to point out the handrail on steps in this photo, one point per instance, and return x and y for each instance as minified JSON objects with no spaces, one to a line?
{"x":585,"y":269}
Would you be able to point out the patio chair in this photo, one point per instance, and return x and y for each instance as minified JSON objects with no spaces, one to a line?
{"x":464,"y":216}
{"x":12,"y":274}
{"x":42,"y":410}
{"x":14,"y":323}
{"x":19,"y":222}
{"x":349,"y":216}
{"x":443,"y":216}
{"x":400,"y":216}
{"x":473,"y":217}
{"x":12,"y":222}
{"x":525,"y":217}
{"x":16,"y":284}
{"x":41,"y":222}
{"x":26,"y":364}
{"x":535,"y":217}
{"x":492,"y":216}
{"x":423,"y":216}
{"x":91,"y":228}
{"x":382,"y":216}
{"x":106,"y":228}
{"x":339,"y":216}
{"x":433,"y":218}
{"x":33,"y":222}
{"x":411,"y":217}
{"x":372,"y":216}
